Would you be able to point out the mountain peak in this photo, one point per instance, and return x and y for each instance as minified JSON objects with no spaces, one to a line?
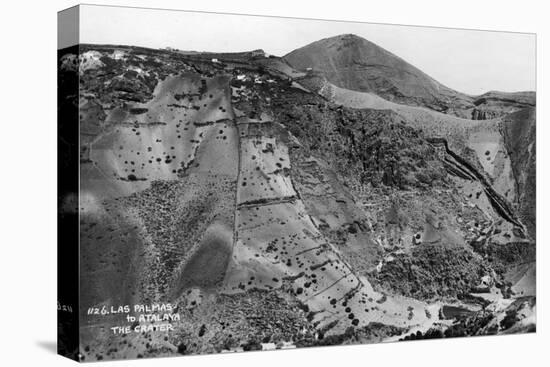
{"x":346,"y":36}
{"x":348,"y":39}
{"x":352,"y":62}
{"x":349,"y":36}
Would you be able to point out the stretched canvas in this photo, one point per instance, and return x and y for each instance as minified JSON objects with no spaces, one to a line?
{"x":233,"y":183}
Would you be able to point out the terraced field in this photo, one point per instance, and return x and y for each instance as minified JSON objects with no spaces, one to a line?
{"x":274,"y":211}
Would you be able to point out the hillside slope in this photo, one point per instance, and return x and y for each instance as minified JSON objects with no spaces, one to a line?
{"x":351,"y":62}
{"x":519,"y":130}
{"x":273,"y":209}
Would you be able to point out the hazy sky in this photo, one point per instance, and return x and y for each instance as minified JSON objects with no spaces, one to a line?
{"x":472,"y":62}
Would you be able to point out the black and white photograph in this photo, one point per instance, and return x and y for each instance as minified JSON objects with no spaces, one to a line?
{"x":270,"y":184}
{"x":267,"y":183}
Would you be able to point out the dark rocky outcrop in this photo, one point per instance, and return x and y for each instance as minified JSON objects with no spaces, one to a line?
{"x":432,"y":272}
{"x":519,"y":131}
{"x":462,"y":168}
{"x":495,"y":104}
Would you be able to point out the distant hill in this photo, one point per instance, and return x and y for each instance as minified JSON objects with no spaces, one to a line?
{"x":352,"y":62}
{"x":494,"y":103}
